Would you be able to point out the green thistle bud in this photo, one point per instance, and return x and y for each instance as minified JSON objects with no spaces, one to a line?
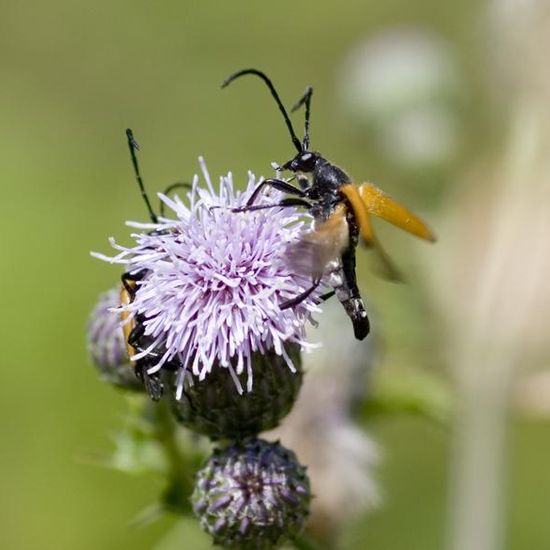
{"x":215,"y":408}
{"x":252,"y":495}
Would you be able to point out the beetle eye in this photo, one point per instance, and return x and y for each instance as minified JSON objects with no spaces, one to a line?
{"x":307,"y":162}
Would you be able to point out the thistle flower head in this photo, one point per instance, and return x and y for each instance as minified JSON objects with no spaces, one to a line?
{"x":252,"y":495}
{"x":214,"y":281}
{"x":106,"y":343}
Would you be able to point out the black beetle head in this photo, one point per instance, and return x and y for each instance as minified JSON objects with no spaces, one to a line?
{"x":304,"y":161}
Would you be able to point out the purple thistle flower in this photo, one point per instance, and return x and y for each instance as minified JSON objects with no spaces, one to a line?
{"x":214,"y":282}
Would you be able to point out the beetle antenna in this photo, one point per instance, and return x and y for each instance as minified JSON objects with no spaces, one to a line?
{"x":276,"y":97}
{"x":133,"y":146}
{"x":305,"y":100}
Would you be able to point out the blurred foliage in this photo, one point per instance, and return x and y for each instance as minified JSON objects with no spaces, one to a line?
{"x":410,"y":394}
{"x":75,"y":75}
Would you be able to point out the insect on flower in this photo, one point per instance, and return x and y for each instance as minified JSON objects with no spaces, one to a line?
{"x":202,"y":287}
{"x":134,"y":329}
{"x":342,"y":213}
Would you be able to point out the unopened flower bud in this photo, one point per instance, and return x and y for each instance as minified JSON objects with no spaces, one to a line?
{"x":252,"y":495}
{"x":214,"y":407}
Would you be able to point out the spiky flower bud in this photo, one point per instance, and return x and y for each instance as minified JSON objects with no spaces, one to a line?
{"x":252,"y":495}
{"x":217,"y":410}
{"x":106,"y":343}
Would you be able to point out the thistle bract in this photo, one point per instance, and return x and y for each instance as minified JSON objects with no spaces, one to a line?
{"x":106,"y":344}
{"x":215,"y":279}
{"x":217,"y":410}
{"x":252,"y":495}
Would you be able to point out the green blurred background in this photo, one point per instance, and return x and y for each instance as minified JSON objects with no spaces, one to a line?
{"x":74,"y":76}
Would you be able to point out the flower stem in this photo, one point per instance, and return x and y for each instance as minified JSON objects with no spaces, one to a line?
{"x":180,"y":464}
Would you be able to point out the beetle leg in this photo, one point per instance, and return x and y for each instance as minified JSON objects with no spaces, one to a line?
{"x":327,"y":296}
{"x":169,"y":189}
{"x":280,"y":185}
{"x":152,"y":383}
{"x":135,"y":334}
{"x":290,"y":201}
{"x":301,"y":297}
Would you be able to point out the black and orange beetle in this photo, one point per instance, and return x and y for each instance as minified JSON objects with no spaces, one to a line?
{"x":134,"y":329}
{"x":342,"y":213}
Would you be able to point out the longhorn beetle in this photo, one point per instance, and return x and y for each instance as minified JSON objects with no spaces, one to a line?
{"x":342,"y":214}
